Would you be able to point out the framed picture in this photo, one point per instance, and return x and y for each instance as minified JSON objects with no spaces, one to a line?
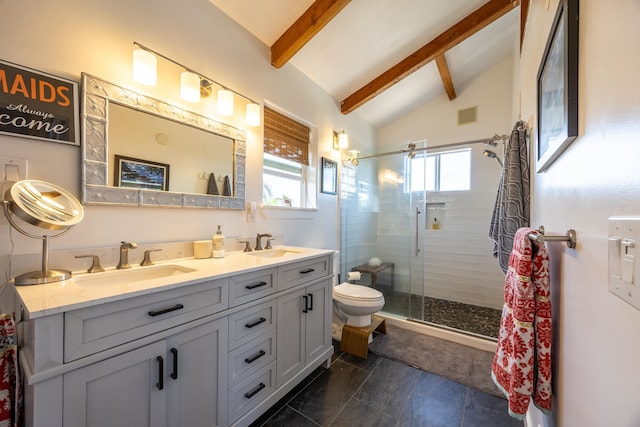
{"x":136,"y":173}
{"x":38,"y":105}
{"x":329,"y":179}
{"x":558,"y":86}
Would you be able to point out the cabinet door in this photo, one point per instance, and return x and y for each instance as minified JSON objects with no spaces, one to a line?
{"x":121,"y":391}
{"x":196,"y":376}
{"x":317,"y":320}
{"x":290,"y":336}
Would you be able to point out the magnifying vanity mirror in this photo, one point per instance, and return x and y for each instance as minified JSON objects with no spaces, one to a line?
{"x":140,"y":151}
{"x":43,"y":205}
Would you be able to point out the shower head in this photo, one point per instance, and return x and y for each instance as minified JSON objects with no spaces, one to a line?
{"x":492,"y":155}
{"x":490,"y":142}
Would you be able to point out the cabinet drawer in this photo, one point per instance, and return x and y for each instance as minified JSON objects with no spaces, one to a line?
{"x":249,"y":358}
{"x":291,"y":275}
{"x":251,"y":286}
{"x":250,"y":392}
{"x":97,"y":328}
{"x":251,"y":323}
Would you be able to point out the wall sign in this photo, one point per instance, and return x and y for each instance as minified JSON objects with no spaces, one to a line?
{"x":38,"y":105}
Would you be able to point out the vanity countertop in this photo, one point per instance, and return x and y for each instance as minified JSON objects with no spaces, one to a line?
{"x":78,"y":291}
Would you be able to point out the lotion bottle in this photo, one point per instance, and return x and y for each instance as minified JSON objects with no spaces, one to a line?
{"x":218,"y":244}
{"x":435,"y":225}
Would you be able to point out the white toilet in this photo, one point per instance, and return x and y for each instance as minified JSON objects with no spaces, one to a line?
{"x":357,"y":303}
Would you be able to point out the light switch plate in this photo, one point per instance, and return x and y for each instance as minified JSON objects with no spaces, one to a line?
{"x":12,"y":169}
{"x":624,"y":267}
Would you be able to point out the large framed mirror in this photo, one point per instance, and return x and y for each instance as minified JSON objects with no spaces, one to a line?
{"x":140,"y":151}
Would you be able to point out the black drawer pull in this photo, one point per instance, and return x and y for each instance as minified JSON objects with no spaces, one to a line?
{"x":255,"y":391}
{"x":174,"y":372}
{"x":154,"y":313}
{"x":306,"y":303}
{"x":256,"y":323}
{"x":255,"y":357}
{"x":310,"y":302}
{"x":160,"y":383}
{"x":307,"y":271}
{"x":257,"y":285}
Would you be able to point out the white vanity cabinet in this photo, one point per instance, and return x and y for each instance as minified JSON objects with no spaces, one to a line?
{"x":217,"y":349}
{"x":179,"y":381}
{"x":306,"y":317}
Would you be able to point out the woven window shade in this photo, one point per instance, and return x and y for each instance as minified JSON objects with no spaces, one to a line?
{"x":285,"y":138}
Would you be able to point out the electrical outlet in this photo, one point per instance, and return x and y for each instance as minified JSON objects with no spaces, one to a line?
{"x":12,"y":169}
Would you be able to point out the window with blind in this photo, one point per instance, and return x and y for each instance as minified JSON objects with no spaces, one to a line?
{"x":286,"y":157}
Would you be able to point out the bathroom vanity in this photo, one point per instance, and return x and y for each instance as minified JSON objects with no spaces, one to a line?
{"x":191,"y":342}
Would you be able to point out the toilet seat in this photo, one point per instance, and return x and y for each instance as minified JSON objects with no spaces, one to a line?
{"x":348,"y":291}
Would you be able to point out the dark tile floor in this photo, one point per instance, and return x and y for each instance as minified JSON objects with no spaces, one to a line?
{"x":382,"y":392}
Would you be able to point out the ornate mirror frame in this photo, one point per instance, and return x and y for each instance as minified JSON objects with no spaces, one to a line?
{"x":97,"y":94}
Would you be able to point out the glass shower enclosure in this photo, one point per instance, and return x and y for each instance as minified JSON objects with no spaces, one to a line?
{"x":421,"y":238}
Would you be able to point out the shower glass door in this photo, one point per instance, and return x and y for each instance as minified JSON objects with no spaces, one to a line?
{"x":382,"y":222}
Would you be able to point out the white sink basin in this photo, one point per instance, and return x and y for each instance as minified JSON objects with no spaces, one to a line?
{"x":130,"y":276}
{"x":274,"y":253}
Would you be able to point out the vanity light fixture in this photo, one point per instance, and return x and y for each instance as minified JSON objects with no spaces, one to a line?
{"x":190,"y":86}
{"x":145,"y":67}
{"x":340,"y":140}
{"x":193,"y":85}
{"x":253,"y":114}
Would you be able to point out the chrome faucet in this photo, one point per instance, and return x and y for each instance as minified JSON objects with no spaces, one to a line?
{"x":259,"y":240}
{"x":124,"y":255}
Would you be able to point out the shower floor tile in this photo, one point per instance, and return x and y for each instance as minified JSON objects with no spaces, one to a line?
{"x":464,"y":317}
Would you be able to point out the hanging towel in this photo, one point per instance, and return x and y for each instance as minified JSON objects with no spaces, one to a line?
{"x":511,"y":210}
{"x":521,"y":367}
{"x":226,"y":187}
{"x":10,"y":385}
{"x":212,"y":188}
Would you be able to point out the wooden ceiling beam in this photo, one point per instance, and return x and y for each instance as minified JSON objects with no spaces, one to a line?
{"x":485,"y":15}
{"x":524,"y":12}
{"x":445,"y":75}
{"x":306,"y":26}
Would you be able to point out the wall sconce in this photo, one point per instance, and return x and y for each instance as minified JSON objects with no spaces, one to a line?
{"x":340,"y":140}
{"x":190,"y":86}
{"x":253,"y":114}
{"x":225,"y":102}
{"x":145,"y":67}
{"x":193,"y":85}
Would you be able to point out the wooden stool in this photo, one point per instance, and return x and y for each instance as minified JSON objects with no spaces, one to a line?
{"x":355,"y":340}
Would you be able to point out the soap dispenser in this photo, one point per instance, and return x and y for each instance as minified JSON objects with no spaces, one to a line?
{"x":218,"y":243}
{"x":436,"y":224}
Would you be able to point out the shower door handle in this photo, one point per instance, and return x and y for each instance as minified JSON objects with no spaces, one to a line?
{"x":417,"y":230}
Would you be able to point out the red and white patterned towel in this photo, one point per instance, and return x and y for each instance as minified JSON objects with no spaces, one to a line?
{"x":10,"y":390}
{"x":522,"y":363}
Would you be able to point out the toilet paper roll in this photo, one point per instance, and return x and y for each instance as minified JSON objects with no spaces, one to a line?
{"x":202,"y":248}
{"x":354,"y":275}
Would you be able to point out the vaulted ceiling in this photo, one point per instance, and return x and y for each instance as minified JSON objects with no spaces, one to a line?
{"x":381,"y":58}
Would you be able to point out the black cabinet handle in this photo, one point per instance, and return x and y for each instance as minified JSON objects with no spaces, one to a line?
{"x":255,"y":357}
{"x":154,"y":313}
{"x":160,"y":383}
{"x":256,"y":323}
{"x":257,"y":285}
{"x":174,"y":372}
{"x":306,"y":302}
{"x":255,"y":391}
{"x":310,"y":302}
{"x":306,"y":271}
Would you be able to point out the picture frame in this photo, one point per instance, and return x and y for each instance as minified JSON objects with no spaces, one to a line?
{"x":39,"y":105}
{"x":329,"y":178}
{"x":130,"y":172}
{"x":557,"y":87}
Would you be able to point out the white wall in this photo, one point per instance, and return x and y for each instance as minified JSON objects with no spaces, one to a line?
{"x":597,"y":341}
{"x":68,"y":37}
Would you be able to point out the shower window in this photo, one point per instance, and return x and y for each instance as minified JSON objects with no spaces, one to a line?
{"x":445,"y":171}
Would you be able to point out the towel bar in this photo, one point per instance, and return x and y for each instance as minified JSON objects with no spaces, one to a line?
{"x":570,"y":237}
